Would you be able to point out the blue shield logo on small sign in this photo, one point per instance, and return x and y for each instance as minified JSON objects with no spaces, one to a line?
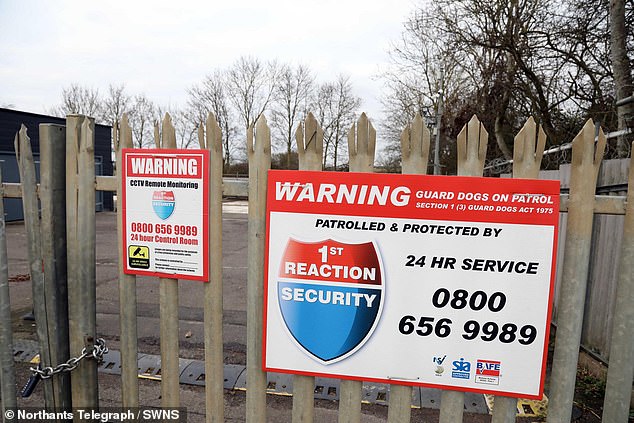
{"x":163,"y":203}
{"x":330,"y":296}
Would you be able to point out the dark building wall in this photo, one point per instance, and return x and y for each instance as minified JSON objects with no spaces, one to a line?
{"x":10,"y":123}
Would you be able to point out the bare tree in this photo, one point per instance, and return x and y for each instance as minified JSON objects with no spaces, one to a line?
{"x":290,"y":103}
{"x":251,"y":85}
{"x":622,"y":67}
{"x":186,"y":129}
{"x":504,"y":60}
{"x":322,"y":110}
{"x":511,"y":63}
{"x":78,"y":99}
{"x":115,"y":104}
{"x":336,"y":107}
{"x":142,"y":118}
{"x":210,"y":96}
{"x":576,"y":38}
{"x":424,"y":65}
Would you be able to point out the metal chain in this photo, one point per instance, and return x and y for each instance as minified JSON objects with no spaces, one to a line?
{"x":98,"y":351}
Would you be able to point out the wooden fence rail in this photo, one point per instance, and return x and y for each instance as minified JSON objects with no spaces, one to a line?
{"x":581,"y":203}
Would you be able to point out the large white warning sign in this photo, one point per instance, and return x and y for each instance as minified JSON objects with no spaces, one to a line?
{"x":165,"y":213}
{"x":423,"y":280}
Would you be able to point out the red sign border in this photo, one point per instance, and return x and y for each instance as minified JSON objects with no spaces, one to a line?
{"x":521,"y":185}
{"x":205,"y":178}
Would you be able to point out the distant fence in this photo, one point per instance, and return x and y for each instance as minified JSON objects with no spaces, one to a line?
{"x":581,"y":203}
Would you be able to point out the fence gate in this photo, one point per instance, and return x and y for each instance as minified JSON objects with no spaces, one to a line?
{"x":61,"y":237}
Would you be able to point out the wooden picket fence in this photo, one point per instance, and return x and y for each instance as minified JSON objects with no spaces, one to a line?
{"x":581,"y":205}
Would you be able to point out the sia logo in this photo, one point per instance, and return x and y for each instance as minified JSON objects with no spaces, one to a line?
{"x":331,"y":296}
{"x":163,"y":203}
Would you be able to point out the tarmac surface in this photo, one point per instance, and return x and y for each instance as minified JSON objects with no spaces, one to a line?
{"x":190,"y":327}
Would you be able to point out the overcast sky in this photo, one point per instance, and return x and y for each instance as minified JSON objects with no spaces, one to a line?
{"x":161,"y":48}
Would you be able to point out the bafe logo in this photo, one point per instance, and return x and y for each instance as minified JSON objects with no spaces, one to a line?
{"x":330,"y":295}
{"x":488,"y":372}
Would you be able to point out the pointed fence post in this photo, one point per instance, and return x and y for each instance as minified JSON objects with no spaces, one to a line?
{"x":528,"y":151}
{"x":127,"y":287}
{"x":361,"y":147}
{"x":259,"y":155}
{"x":415,"y":141}
{"x":26,"y":165}
{"x":586,"y":159}
{"x":157,"y":135}
{"x":53,"y":235}
{"x":310,"y":144}
{"x":168,"y":299}
{"x":214,"y":368}
{"x":618,"y":390}
{"x":7,"y":376}
{"x":310,"y":148}
{"x":472,"y":149}
{"x":80,"y":230}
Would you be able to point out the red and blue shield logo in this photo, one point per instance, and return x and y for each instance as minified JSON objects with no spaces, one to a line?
{"x":163,"y":203}
{"x":331,"y":296}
